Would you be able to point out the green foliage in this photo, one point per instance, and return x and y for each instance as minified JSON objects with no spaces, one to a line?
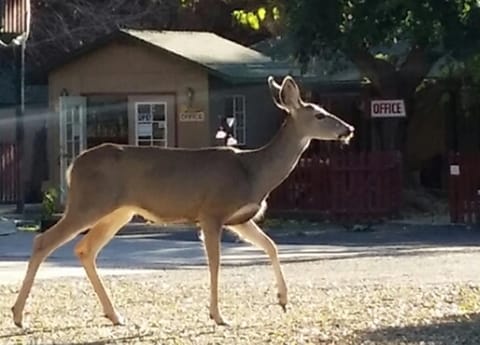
{"x":473,"y":65}
{"x":49,"y":203}
{"x":258,"y":15}
{"x":345,"y":24}
{"x":250,"y":18}
{"x":467,"y":69}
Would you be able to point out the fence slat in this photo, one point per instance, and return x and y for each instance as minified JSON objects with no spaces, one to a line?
{"x":8,"y":173}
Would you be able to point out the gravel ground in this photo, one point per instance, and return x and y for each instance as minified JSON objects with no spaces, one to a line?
{"x":426,"y":299}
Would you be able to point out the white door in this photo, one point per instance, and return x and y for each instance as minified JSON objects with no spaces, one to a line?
{"x":73,"y":128}
{"x":151,"y":123}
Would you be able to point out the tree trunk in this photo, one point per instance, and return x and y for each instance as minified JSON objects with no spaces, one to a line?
{"x":390,"y":82}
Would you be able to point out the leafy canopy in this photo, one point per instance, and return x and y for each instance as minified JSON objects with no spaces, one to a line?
{"x":449,"y":25}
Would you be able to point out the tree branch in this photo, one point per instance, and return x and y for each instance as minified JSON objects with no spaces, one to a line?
{"x":414,"y":69}
{"x":377,"y":70}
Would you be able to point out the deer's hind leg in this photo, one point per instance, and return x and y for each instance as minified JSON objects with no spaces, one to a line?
{"x":90,"y":246}
{"x":70,"y":225}
{"x":252,"y":233}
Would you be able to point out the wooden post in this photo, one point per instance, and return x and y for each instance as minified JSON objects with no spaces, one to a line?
{"x":19,"y":56}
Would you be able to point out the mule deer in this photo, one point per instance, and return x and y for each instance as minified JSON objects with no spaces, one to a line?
{"x":213,"y":187}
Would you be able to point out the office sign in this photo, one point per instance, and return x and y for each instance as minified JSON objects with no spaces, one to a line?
{"x":192,"y":116}
{"x":387,"y":108}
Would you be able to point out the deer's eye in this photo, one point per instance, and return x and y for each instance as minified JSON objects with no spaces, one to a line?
{"x":320,"y":116}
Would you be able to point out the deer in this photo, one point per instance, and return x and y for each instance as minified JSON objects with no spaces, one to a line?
{"x":213,"y":187}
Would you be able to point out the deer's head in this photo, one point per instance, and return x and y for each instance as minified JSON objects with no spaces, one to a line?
{"x":313,"y":120}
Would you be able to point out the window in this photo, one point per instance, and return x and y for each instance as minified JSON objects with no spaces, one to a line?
{"x":151,"y":123}
{"x":235,"y":107}
{"x":107,"y":120}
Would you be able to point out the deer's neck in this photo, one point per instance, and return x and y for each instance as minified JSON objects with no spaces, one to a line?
{"x":272,"y":164}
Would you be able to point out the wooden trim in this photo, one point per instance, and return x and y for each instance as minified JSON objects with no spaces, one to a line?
{"x":133,"y":93}
{"x":149,"y":93}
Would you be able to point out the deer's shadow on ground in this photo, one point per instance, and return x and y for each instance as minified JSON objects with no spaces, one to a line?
{"x":452,"y":329}
{"x":35,"y":335}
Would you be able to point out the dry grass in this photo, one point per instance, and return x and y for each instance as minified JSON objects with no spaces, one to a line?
{"x":170,"y":307}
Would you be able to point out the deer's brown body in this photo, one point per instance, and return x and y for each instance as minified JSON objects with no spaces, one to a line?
{"x":214,"y":181}
{"x":213,"y":187}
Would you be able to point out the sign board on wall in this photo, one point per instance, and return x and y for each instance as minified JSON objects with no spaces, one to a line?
{"x":192,"y":116}
{"x":387,"y":108}
{"x":454,"y":170}
{"x":144,"y":130}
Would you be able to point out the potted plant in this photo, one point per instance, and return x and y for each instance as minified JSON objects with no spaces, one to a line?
{"x":49,"y":206}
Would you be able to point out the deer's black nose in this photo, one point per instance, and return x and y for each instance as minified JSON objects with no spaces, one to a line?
{"x":348,"y":131}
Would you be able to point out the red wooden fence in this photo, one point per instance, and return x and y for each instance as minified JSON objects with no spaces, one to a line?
{"x":464,"y":188}
{"x":8,"y":173}
{"x":342,"y":186}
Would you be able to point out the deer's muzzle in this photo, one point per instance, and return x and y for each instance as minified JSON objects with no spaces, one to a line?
{"x":346,"y":135}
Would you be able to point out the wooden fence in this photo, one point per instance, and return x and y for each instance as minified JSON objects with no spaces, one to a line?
{"x":8,"y":173}
{"x":342,"y":186}
{"x":464,"y":188}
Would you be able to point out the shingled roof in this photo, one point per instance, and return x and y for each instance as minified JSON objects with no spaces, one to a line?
{"x":220,"y":56}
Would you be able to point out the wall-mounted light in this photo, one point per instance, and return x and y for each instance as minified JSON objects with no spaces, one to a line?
{"x":64,"y":92}
{"x":190,"y":96}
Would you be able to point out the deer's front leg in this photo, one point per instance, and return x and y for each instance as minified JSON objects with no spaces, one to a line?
{"x":252,"y":233}
{"x":212,"y":235}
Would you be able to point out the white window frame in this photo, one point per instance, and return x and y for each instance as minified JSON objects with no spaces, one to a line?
{"x":239,"y":132}
{"x":152,"y":140}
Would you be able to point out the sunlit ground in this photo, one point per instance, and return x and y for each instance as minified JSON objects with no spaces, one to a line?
{"x":170,"y":307}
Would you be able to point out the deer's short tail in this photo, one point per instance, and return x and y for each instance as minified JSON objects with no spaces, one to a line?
{"x":68,"y":174}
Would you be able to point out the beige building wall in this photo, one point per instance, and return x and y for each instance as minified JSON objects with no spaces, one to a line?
{"x":139,"y":72}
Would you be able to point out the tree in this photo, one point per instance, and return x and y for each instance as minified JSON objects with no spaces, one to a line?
{"x":59,"y":26}
{"x":367,"y":31}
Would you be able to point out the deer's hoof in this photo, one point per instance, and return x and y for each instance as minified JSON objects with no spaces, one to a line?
{"x":17,"y":318}
{"x":116,"y":319}
{"x":219,"y":321}
{"x":282,"y":301}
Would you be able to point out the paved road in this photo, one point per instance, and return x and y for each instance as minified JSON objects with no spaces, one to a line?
{"x":448,"y":251}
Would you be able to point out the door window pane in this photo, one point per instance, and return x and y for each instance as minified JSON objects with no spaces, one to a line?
{"x":76,"y":115}
{"x":158,"y":133}
{"x":143,"y":108}
{"x":144,"y":117}
{"x":77,"y":147}
{"x":151,"y":123}
{"x":235,"y":107}
{"x":158,"y":111}
{"x":238,"y":104}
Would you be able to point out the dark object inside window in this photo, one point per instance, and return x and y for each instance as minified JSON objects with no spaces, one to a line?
{"x":107,"y":120}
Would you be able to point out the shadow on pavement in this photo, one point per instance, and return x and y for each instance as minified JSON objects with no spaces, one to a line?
{"x":453,"y":329}
{"x":146,"y":251}
{"x":385,"y":234}
{"x":137,"y":257}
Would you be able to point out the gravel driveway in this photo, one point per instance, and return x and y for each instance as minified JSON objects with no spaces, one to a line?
{"x":418,"y":294}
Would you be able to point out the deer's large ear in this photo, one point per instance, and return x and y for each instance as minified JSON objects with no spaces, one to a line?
{"x":290,"y":93}
{"x":275,"y":93}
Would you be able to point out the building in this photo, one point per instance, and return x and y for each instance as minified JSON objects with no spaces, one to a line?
{"x":166,"y":88}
